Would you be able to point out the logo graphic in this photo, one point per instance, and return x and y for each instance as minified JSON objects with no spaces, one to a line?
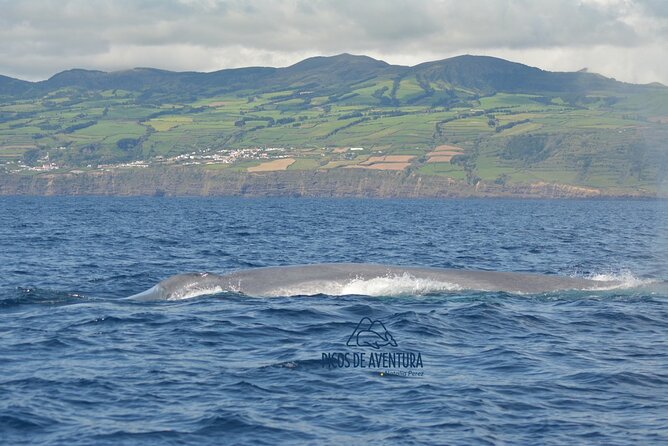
{"x":372,"y":334}
{"x":378,"y":352}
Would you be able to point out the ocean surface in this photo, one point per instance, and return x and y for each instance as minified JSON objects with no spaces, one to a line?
{"x":80,"y":365}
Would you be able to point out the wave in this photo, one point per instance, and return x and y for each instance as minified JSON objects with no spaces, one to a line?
{"x":40,"y":296}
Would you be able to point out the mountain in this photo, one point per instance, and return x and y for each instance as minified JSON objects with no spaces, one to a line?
{"x":488,"y":75}
{"x":85,"y":79}
{"x":480,"y":122}
{"x":13,"y":87}
{"x":481,"y":74}
{"x":335,"y":70}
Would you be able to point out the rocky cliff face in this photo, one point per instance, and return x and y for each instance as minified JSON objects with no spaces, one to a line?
{"x":190,"y":181}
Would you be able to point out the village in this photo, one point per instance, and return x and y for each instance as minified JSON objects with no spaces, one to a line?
{"x":205,"y":156}
{"x":260,"y":159}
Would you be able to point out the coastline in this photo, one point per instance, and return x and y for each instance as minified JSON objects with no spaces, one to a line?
{"x":349,"y":183}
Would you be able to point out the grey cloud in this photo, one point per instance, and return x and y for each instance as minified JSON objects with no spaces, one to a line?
{"x":657,"y":8}
{"x":39,"y":38}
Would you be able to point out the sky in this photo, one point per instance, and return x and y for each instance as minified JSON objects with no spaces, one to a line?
{"x":624,"y":39}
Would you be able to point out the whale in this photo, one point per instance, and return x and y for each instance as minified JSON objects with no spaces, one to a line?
{"x":362,"y":279}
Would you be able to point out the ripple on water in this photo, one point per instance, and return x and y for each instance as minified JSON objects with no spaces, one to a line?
{"x":81,"y":366}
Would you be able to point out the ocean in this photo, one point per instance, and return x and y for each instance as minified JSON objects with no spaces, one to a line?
{"x":82,"y":365}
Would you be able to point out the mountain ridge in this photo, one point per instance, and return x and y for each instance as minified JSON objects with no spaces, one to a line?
{"x":484,"y":74}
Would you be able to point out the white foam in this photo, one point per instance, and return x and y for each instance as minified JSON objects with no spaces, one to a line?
{"x":391,"y":285}
{"x":618,"y":280}
{"x":196,"y":292}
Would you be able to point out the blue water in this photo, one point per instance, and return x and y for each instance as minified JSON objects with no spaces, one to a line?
{"x":78,"y":365}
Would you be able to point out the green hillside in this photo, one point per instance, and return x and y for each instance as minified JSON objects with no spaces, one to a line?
{"x":469,"y":118}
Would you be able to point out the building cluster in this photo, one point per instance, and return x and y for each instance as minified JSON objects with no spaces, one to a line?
{"x":205,"y":156}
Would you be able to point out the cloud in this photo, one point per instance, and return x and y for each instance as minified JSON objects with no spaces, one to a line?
{"x":619,"y":38}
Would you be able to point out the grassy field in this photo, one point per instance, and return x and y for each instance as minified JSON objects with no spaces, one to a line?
{"x":601,"y":140}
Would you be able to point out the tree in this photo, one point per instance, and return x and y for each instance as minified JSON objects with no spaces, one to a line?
{"x":30,"y":156}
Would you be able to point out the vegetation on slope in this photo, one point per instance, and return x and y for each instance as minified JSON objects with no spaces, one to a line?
{"x":511,"y":123}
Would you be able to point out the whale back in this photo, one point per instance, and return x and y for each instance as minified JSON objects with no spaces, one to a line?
{"x":183,"y":286}
{"x":354,"y":278}
{"x":362,"y":279}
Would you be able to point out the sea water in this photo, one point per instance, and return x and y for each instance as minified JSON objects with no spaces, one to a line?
{"x":80,"y":365}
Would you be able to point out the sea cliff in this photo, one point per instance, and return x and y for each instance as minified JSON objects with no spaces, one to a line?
{"x":189,"y":181}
